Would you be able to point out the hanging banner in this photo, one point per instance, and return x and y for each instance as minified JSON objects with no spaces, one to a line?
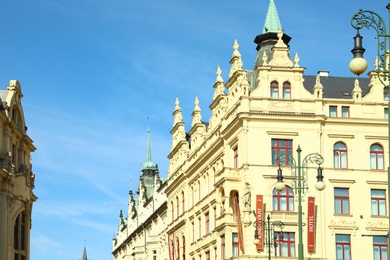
{"x":239,"y":225}
{"x":259,"y":219}
{"x":311,"y":224}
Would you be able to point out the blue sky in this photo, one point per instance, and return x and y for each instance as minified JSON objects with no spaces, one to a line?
{"x":92,"y":71}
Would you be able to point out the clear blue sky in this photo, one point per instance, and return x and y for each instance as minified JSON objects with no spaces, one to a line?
{"x":92,"y":71}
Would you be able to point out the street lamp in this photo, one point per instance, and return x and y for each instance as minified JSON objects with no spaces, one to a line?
{"x":300,"y":181}
{"x":269,"y":228}
{"x":366,"y":18}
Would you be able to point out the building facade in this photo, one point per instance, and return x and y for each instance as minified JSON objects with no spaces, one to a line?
{"x":16,"y":177}
{"x":142,"y":232}
{"x":222,"y":173}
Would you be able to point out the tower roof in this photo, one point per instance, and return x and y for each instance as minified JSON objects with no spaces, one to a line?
{"x":272,"y":22}
{"x":84,"y":253}
{"x":148,"y":163}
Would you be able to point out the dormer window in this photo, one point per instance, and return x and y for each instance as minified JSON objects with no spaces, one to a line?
{"x":274,"y":89}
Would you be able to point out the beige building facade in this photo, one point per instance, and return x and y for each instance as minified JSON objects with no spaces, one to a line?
{"x":225,"y":169}
{"x":142,"y":231}
{"x":222,"y":176}
{"x":16,"y":177}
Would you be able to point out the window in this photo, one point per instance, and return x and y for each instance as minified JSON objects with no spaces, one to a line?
{"x":345,"y":112}
{"x":235,"y":157}
{"x":193,"y":231}
{"x":286,"y":90}
{"x":193,"y":196}
{"x":274,"y":89}
{"x":207,"y":223}
{"x":20,"y":233}
{"x":154,"y":257}
{"x":378,"y":203}
{"x":184,"y":247}
{"x":341,"y":201}
{"x":177,"y":206}
{"x":340,"y":155}
{"x":283,"y":200}
{"x":215,"y":217}
{"x":376,"y":157}
{"x":332,"y":111}
{"x":285,"y":243}
{"x":199,"y":229}
{"x":380,"y":247}
{"x":173,"y":211}
{"x":182,"y":202}
{"x":279,"y":147}
{"x":235,"y":251}
{"x":177,"y":248}
{"x":200,"y":192}
{"x":223,"y":247}
{"x":208,"y":255}
{"x":343,"y":247}
{"x":386,"y":112}
{"x":386,"y":94}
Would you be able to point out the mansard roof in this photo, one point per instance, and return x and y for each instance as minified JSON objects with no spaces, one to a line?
{"x":337,"y":87}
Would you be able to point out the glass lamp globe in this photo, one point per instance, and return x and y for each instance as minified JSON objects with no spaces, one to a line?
{"x":256,"y":241}
{"x":320,"y":185}
{"x":358,"y":65}
{"x":280,"y":186}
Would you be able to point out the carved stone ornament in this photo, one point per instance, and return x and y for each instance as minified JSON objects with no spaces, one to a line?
{"x":11,"y":203}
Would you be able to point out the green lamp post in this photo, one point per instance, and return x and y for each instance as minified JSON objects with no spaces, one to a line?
{"x":299,"y":173}
{"x":358,"y":65}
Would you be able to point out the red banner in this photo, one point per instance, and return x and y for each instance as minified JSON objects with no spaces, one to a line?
{"x":259,"y":218}
{"x":239,"y":225}
{"x":311,"y":224}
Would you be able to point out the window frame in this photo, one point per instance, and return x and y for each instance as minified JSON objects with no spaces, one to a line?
{"x":274,"y":90}
{"x":277,"y":148}
{"x":342,"y":200}
{"x":286,"y":89}
{"x":235,"y":157}
{"x":235,"y":244}
{"x":343,"y":111}
{"x":377,"y":199}
{"x":338,"y":153}
{"x":332,"y":111}
{"x":380,"y":246}
{"x":343,"y":245}
{"x":286,"y":195}
{"x":377,"y":154}
{"x":285,"y":238}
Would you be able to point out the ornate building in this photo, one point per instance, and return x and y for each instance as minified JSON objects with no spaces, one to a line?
{"x":142,"y":232}
{"x":222,"y":173}
{"x":222,"y":177}
{"x":16,"y":177}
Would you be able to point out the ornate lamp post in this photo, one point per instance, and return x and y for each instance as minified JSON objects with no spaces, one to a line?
{"x":299,"y":172}
{"x":269,"y":228}
{"x":366,"y":18}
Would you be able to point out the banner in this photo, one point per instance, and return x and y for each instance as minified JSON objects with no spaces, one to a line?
{"x":311,"y":224}
{"x":239,"y":225}
{"x":259,"y":219}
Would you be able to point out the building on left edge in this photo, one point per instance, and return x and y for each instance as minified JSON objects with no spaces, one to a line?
{"x":16,"y":176}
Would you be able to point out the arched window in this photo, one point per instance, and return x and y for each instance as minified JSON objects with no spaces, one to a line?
{"x":173,"y":211}
{"x":182,"y":202}
{"x":274,"y":89}
{"x":20,"y":235}
{"x":178,"y":249}
{"x":286,"y":90}
{"x":376,"y":157}
{"x":184,"y":247}
{"x":283,"y":200}
{"x":340,"y":155}
{"x":177,"y":206}
{"x":386,"y":94}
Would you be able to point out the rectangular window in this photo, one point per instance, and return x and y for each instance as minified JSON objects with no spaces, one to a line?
{"x":215,"y":217}
{"x":193,"y":232}
{"x":386,"y":113}
{"x":154,"y":255}
{"x":345,"y":112}
{"x":378,"y":202}
{"x":343,"y":247}
{"x":332,"y":111}
{"x":341,"y":201}
{"x":380,"y":247}
{"x":235,"y":244}
{"x":208,"y":255}
{"x":223,"y":247}
{"x":235,"y":158}
{"x":207,"y":223}
{"x":279,"y":147}
{"x":284,"y":243}
{"x":274,"y":90}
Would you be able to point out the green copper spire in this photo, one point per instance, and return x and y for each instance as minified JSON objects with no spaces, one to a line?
{"x":272,"y":22}
{"x":148,"y":164}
